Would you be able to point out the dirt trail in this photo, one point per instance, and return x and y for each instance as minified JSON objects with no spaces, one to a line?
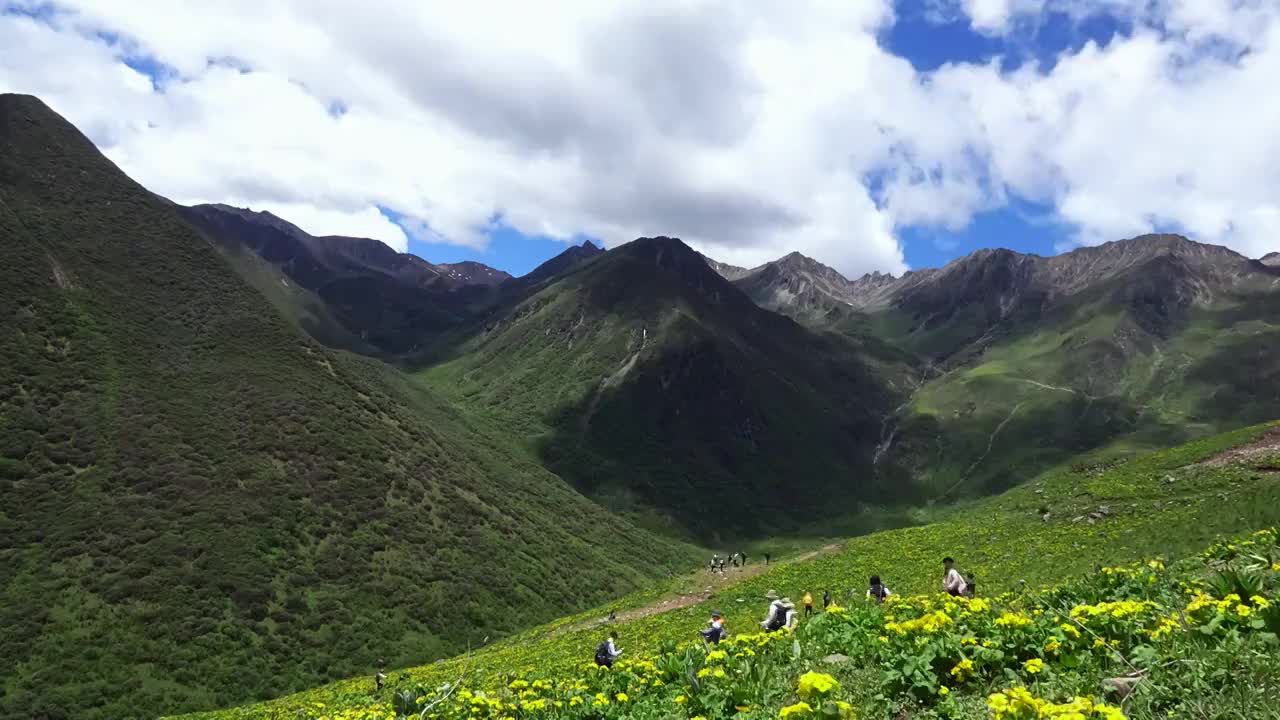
{"x":709,"y":582}
{"x":1268,"y":444}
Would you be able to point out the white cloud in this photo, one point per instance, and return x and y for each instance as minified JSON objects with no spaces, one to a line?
{"x":988,"y":14}
{"x":749,"y":134}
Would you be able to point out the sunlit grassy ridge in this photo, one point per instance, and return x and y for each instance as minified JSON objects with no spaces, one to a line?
{"x":1161,"y":505}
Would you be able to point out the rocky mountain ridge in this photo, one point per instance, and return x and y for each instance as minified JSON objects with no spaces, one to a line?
{"x":799,"y":285}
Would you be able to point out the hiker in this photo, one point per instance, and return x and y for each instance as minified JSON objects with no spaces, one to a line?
{"x":606,"y":653}
{"x":782,"y":613}
{"x":744,"y":559}
{"x":826,"y":599}
{"x":877,"y":591}
{"x":379,"y":679}
{"x":808,"y":603}
{"x":713,"y":634}
{"x":766,"y":559}
{"x":952,"y":582}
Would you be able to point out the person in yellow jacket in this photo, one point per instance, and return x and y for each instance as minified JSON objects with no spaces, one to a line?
{"x":808,"y":603}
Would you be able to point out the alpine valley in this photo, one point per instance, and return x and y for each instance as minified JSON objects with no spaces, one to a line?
{"x":238,"y":460}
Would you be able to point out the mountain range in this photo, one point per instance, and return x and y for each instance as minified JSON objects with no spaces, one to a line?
{"x":223,"y":437}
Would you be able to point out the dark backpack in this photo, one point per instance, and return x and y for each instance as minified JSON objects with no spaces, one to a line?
{"x":779,"y":618}
{"x":602,"y":654}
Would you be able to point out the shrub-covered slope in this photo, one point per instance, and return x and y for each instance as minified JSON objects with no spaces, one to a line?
{"x":1049,"y":627}
{"x":199,"y":505}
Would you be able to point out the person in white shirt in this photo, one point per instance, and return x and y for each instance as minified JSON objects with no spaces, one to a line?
{"x":782,"y":613}
{"x":877,"y":591}
{"x":608,"y":652}
{"x":952,"y":582}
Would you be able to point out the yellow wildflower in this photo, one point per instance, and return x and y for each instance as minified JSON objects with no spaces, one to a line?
{"x":816,"y":685}
{"x":800,"y":709}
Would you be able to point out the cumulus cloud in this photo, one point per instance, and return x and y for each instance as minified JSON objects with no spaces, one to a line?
{"x":750,"y":131}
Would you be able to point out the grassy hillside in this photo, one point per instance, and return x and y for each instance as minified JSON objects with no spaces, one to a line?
{"x":1166,"y":505}
{"x":1148,"y":359}
{"x":199,"y":505}
{"x":658,"y":388}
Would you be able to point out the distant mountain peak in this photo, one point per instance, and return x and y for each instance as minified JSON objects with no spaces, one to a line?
{"x":470,"y":272}
{"x":663,"y":250}
{"x":262,"y":217}
{"x":1271,"y":259}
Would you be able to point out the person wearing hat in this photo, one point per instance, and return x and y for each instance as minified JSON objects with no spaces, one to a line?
{"x":782,"y":612}
{"x":713,"y":634}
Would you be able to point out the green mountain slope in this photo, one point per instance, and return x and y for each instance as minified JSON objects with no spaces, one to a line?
{"x":1169,"y":505}
{"x":1023,"y":362}
{"x":374,"y":299}
{"x":199,"y":505}
{"x":1172,"y":347}
{"x":657,"y":387}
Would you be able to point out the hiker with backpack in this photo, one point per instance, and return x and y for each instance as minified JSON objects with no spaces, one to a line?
{"x":826,"y":599}
{"x":808,"y":603}
{"x":713,"y":634}
{"x":877,"y":591}
{"x":952,"y":581}
{"x":782,"y":613}
{"x":607,"y":652}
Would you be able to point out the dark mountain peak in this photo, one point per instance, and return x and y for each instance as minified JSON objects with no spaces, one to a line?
{"x":571,"y":258}
{"x":680,"y":262}
{"x":17,"y":100}
{"x":798,"y":263}
{"x":469,"y":272}
{"x":260,"y":217}
{"x":1271,"y":259}
{"x":1143,"y":247}
{"x":667,"y":252}
{"x":988,"y":257}
{"x":1081,"y":268}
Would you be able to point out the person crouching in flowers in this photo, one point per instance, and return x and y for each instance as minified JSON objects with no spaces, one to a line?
{"x":877,"y":591}
{"x":713,"y":634}
{"x":782,"y":613}
{"x":952,"y":581}
{"x":606,"y":653}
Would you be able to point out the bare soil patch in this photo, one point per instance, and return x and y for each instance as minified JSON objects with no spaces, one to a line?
{"x":1266,"y":446}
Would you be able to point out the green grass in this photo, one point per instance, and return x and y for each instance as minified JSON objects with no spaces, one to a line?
{"x":1160,"y":505}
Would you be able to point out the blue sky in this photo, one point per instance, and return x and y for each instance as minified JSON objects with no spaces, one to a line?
{"x":870,"y":135}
